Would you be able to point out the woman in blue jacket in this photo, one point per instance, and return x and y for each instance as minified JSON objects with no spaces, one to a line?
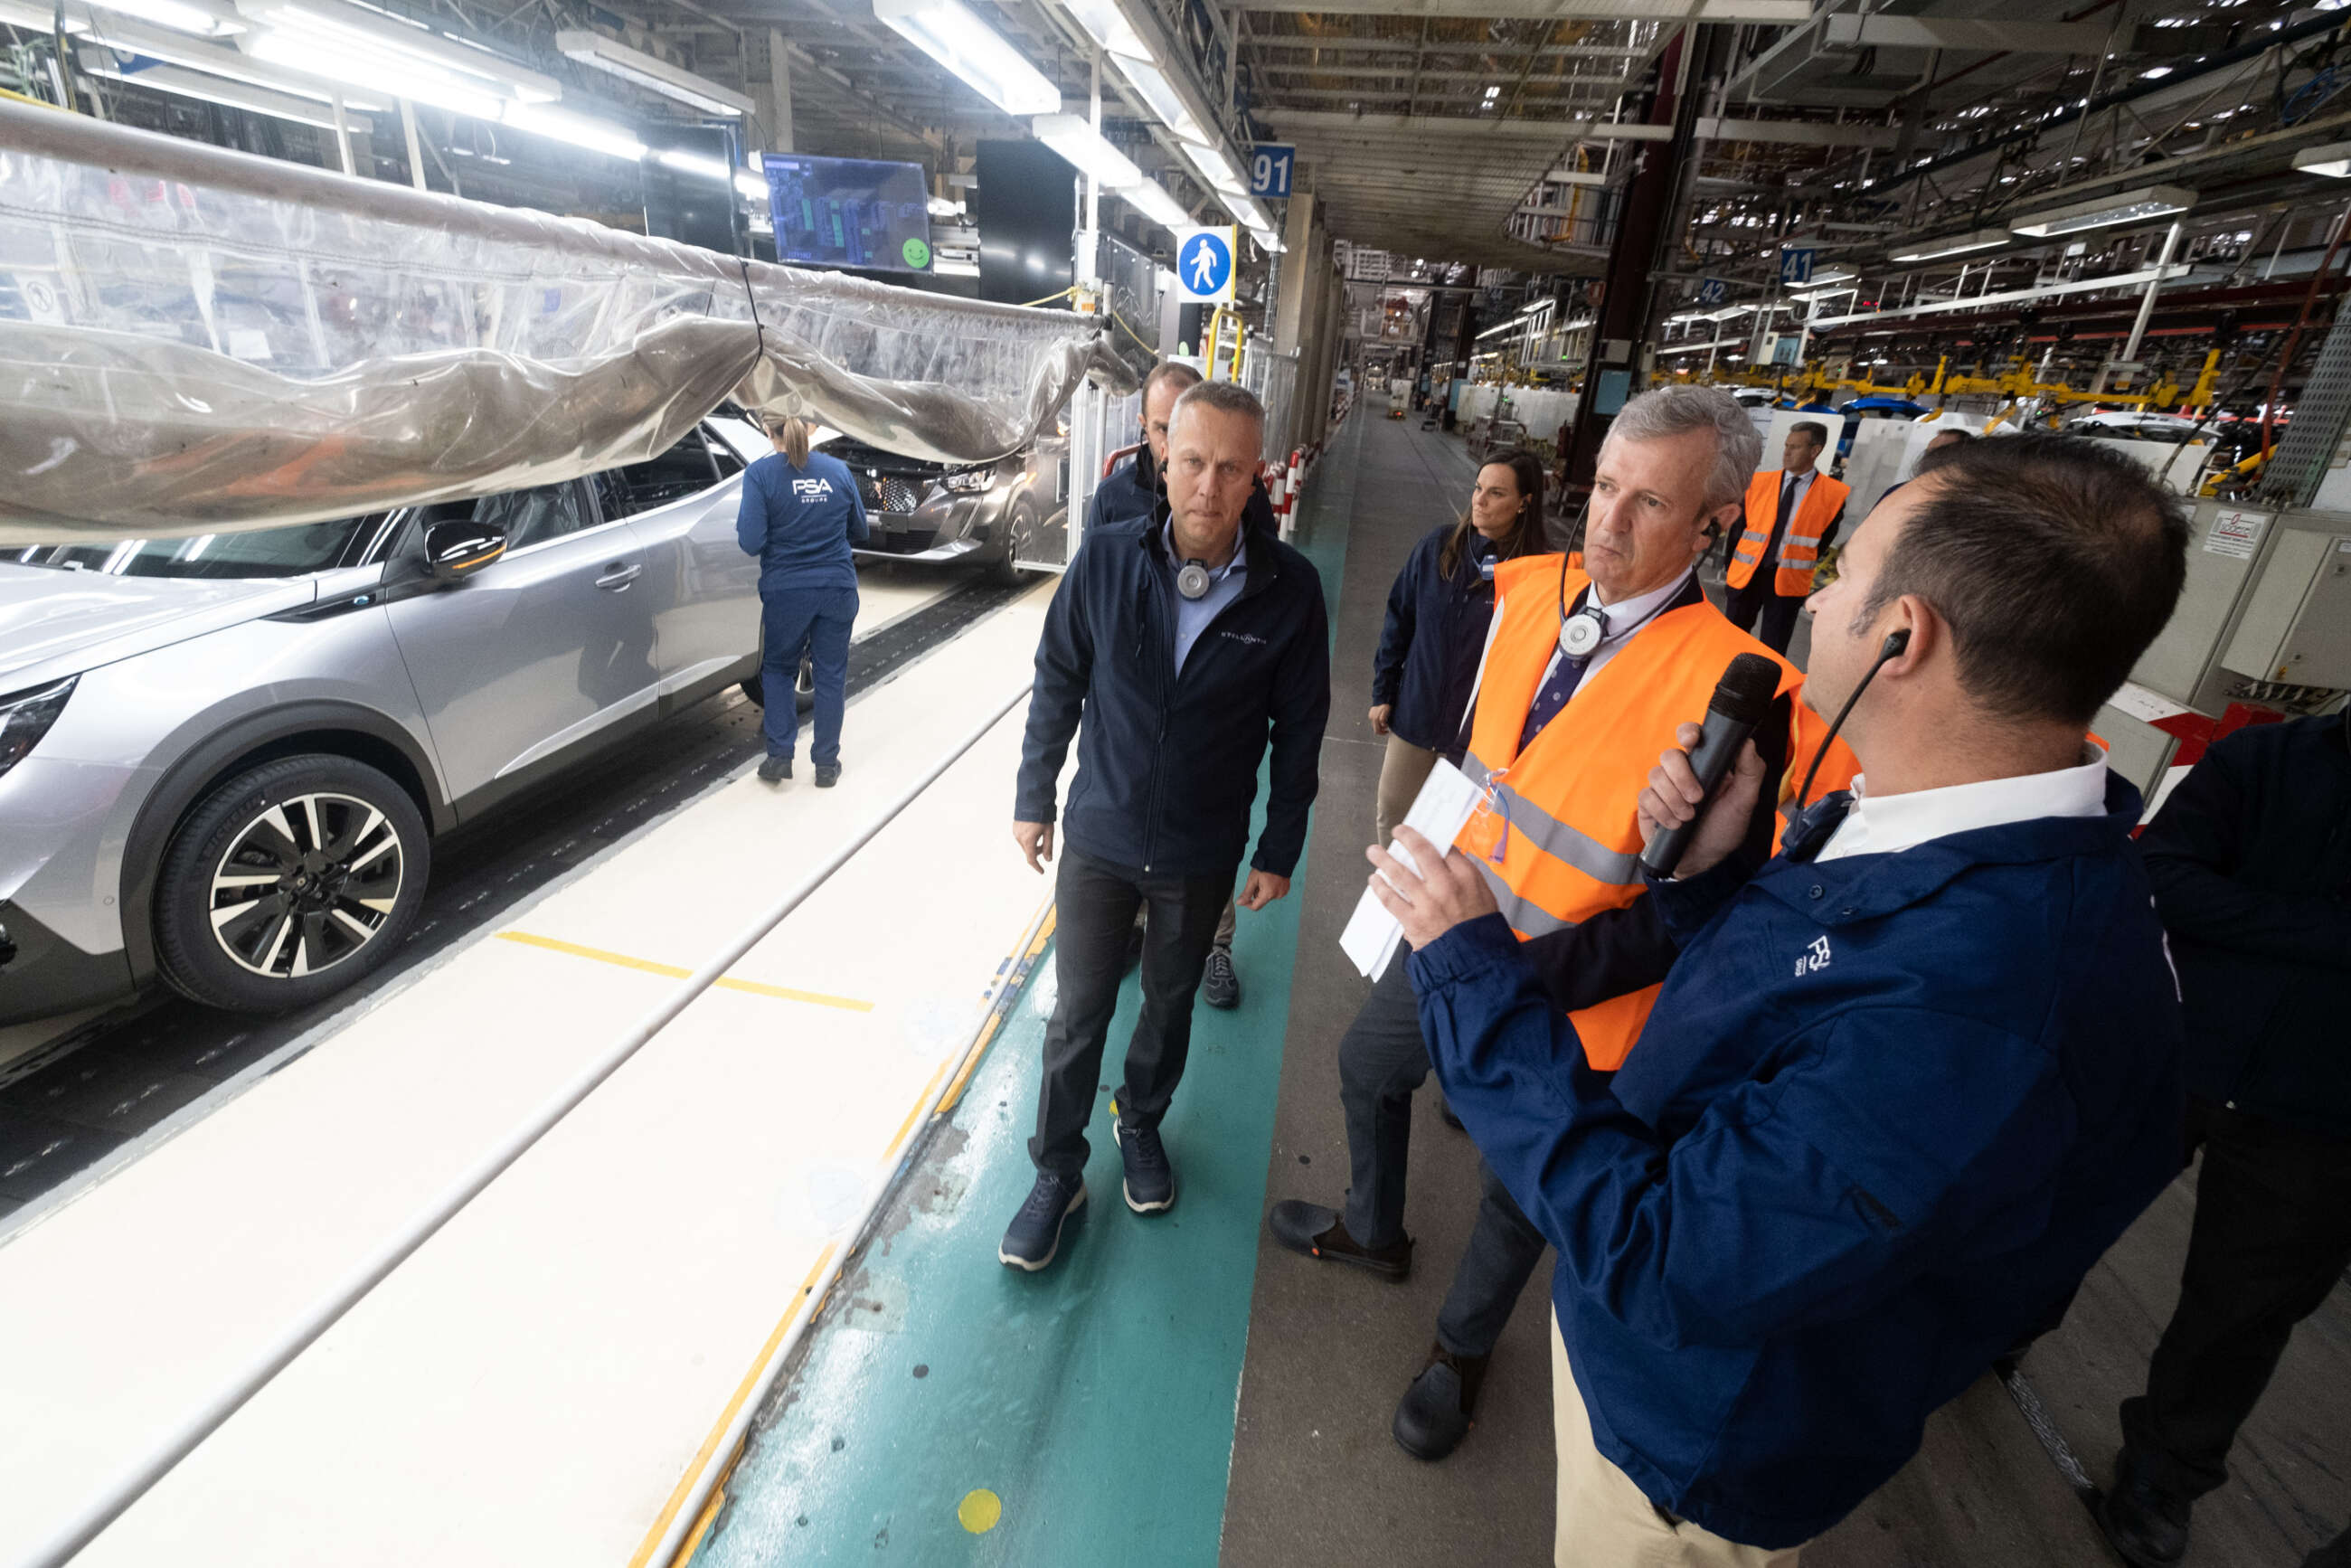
{"x":801,"y":514}
{"x":1438,"y":614}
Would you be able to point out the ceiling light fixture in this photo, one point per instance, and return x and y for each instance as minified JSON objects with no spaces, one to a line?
{"x":1951,"y":245}
{"x":1106,"y":25}
{"x":2333,"y":160}
{"x":201,"y":20}
{"x":1160,"y":97}
{"x":950,"y":34}
{"x":1153,"y":202}
{"x":580,"y":131}
{"x":378,"y":69}
{"x":649,"y":72}
{"x":1082,"y":146}
{"x":2127,"y":206}
{"x":205,"y":88}
{"x":333,"y":30}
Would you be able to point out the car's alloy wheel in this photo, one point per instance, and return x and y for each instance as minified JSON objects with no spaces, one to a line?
{"x":304,"y":885}
{"x":289,"y":881}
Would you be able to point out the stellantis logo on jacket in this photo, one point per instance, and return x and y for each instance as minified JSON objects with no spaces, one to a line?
{"x":1814,"y":958}
{"x":810,"y":489}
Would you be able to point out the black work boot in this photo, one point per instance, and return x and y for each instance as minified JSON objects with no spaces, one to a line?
{"x":1435,"y":1412}
{"x":1319,"y":1233}
{"x":2146,"y":1524}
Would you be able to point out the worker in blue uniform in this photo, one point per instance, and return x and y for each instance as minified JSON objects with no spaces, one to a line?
{"x":801,"y":514}
{"x":1902,"y":1087}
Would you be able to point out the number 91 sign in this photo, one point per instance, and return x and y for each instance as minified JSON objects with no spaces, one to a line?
{"x":1269,"y":168}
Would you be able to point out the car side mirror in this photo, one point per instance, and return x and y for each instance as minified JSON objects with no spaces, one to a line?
{"x":456,"y":550}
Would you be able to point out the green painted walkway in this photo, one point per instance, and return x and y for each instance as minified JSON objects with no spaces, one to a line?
{"x":949,"y":1410}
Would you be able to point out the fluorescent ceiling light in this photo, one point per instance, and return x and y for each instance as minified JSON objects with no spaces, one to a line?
{"x":947,"y":32}
{"x":1267,"y":241}
{"x":1246,"y":211}
{"x":181,"y":82}
{"x":1152,"y":200}
{"x":2333,"y":160}
{"x":1083,"y":145}
{"x":1951,"y":245}
{"x":699,"y":164}
{"x":2127,"y":206}
{"x":1106,"y":25}
{"x":199,"y":19}
{"x":332,"y":26}
{"x":379,"y":70}
{"x":595,"y":135}
{"x":127,"y":37}
{"x":649,"y":72}
{"x":1821,"y":279}
{"x":1160,"y":96}
{"x":1216,"y":169}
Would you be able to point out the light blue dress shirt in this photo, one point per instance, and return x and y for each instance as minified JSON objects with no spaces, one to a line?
{"x":1225,"y":584}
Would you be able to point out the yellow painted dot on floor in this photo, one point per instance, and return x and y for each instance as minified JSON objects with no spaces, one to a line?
{"x":980,"y":1510}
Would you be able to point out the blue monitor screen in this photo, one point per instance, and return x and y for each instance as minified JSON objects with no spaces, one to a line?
{"x":850,"y":212}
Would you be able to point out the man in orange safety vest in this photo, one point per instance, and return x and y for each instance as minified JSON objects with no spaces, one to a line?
{"x":1792,"y":516}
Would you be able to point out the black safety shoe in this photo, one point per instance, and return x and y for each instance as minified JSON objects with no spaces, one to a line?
{"x":1219,"y":986}
{"x":1436,"y":1411}
{"x":826,"y":778}
{"x":1035,"y":1233}
{"x":2146,"y":1525}
{"x":775,"y":767}
{"x":1320,"y":1232}
{"x":2335,"y":1553}
{"x":1150,"y":1179}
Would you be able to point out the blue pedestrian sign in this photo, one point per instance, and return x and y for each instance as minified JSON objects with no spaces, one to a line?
{"x":1713,"y":291}
{"x":1269,"y":168}
{"x":1796,"y":267}
{"x":1204,"y":265}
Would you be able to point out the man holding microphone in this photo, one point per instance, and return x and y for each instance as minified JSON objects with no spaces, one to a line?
{"x":1903,"y":1086}
{"x":1186,"y":644}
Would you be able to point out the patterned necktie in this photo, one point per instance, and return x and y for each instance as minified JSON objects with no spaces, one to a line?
{"x":1557,"y":688}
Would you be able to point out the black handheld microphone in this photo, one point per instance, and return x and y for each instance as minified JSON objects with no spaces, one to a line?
{"x":1740,"y":700}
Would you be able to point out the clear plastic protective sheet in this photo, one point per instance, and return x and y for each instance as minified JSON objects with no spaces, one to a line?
{"x":198,"y":341}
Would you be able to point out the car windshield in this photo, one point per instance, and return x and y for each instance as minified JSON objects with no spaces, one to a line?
{"x":294,"y":551}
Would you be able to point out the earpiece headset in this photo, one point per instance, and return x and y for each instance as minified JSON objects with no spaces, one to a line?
{"x":1896,"y":644}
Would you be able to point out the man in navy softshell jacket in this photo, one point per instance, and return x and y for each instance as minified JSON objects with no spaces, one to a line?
{"x":1905,"y":1083}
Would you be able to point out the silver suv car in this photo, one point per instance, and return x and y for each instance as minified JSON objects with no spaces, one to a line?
{"x":222,"y":759}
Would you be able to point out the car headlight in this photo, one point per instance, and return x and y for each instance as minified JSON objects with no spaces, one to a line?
{"x":26,"y":716}
{"x":971,"y":481}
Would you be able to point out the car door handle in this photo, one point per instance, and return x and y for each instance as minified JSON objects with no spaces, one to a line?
{"x":618,"y":575}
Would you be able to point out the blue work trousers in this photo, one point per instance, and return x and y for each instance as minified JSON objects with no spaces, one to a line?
{"x":815,"y":621}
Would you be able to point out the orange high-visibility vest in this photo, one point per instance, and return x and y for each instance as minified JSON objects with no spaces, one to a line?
{"x":1557,"y":836}
{"x":1806,"y":732}
{"x":1799,"y":547}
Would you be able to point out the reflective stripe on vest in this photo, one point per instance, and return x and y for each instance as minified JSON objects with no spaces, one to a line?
{"x":1799,"y":547}
{"x":1557,"y":838}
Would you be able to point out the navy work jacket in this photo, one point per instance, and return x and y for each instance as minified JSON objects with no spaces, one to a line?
{"x":2251,"y":858}
{"x":1167,"y":763}
{"x":1886,"y":1114}
{"x":1426,"y":662}
{"x":1133,"y":492}
{"x":800,"y":522}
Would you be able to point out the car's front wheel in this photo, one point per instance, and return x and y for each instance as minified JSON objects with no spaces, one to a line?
{"x":289,"y":882}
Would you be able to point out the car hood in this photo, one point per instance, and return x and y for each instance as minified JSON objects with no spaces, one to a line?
{"x":57,"y":623}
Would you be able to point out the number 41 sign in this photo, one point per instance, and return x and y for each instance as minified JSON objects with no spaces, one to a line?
{"x":1269,"y":168}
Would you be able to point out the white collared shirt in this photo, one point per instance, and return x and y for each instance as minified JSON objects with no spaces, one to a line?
{"x":1888,"y":825}
{"x":1803,"y":483}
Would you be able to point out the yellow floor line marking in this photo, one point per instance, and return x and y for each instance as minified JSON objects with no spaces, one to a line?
{"x":726,"y":1417}
{"x":702,"y":1525}
{"x":954,"y":1096}
{"x":725,"y":982}
{"x":912,"y":1112}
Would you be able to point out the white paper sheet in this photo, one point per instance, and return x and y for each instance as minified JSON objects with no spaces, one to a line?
{"x":1437,"y":814}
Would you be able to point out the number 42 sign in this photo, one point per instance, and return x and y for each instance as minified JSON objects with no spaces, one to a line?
{"x":1269,"y":168}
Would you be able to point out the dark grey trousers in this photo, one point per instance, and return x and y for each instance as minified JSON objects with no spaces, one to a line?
{"x":1095,"y":909}
{"x":1382,"y":1060}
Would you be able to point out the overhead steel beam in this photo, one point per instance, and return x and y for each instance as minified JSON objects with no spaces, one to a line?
{"x":1337,"y":130}
{"x":1778,"y":12}
{"x":1797,"y":132}
{"x":1266,"y":44}
{"x":1882,"y":32}
{"x":1404,"y":73}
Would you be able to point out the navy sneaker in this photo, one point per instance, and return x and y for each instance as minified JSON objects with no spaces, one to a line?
{"x":1219,"y":986}
{"x":826,"y":778}
{"x":1150,"y":1179}
{"x":774,"y":768}
{"x":1035,"y":1234}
